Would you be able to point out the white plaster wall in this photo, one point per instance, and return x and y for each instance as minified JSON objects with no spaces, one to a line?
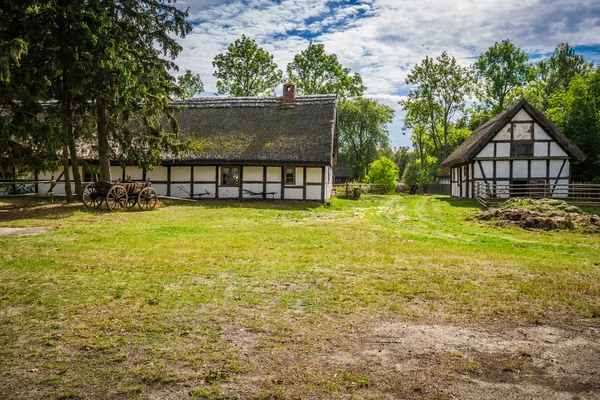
{"x":229,"y":192}
{"x":205,"y":173}
{"x":274,"y":188}
{"x":116,"y":172}
{"x":253,"y":174}
{"x":520,"y":169}
{"x":539,"y":133}
{"x":522,"y":131}
{"x":182,"y":174}
{"x":538,"y":168}
{"x":313,"y":192}
{"x":161,"y":189}
{"x":540,"y":149}
{"x":502,"y":149}
{"x":159,"y":173}
{"x":313,"y":175}
{"x":488,"y":151}
{"x":135,"y":173}
{"x":504,"y":134}
{"x":292,"y":194}
{"x":329,"y":182}
{"x":299,"y":177}
{"x":476,"y":173}
{"x":555,"y":168}
{"x":274,"y":174}
{"x":502,"y":169}
{"x":202,"y":188}
{"x":561,"y":190}
{"x":253,"y":187}
{"x":488,"y":169}
{"x":177,"y":190}
{"x":522,"y":116}
{"x":59,"y":188}
{"x":502,"y":189}
{"x":556,"y":151}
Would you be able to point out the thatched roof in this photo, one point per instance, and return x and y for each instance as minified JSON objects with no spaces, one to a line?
{"x":482,"y":135}
{"x":260,"y":131}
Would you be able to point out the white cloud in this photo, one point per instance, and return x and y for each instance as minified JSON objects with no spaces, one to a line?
{"x":383,"y":39}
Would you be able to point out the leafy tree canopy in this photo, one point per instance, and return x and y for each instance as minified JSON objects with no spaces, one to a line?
{"x":502,"y":71}
{"x":385,"y":173}
{"x":555,"y":74}
{"x":315,"y":72}
{"x":246,"y":70}
{"x":363,"y":130}
{"x":576,"y":111}
{"x":190,"y":84}
{"x":442,"y":86}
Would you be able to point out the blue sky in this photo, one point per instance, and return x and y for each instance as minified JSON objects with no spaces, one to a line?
{"x":383,"y":39}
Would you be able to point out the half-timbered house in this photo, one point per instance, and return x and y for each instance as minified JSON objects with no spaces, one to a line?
{"x":518,"y":149}
{"x":247,"y":147}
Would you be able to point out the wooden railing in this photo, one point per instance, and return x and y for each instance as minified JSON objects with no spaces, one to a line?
{"x":353,"y":190}
{"x":583,"y":194}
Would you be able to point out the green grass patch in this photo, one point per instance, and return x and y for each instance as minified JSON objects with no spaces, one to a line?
{"x":204,"y":294}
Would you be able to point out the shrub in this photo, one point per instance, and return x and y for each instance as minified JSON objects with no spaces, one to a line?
{"x":383,"y":172}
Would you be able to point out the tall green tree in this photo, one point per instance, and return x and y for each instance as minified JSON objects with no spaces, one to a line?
{"x":315,"y":72}
{"x":576,"y":111}
{"x":135,"y":47}
{"x":28,"y":140}
{"x":555,"y":74}
{"x":245,"y":69}
{"x":442,"y":86}
{"x":190,"y":85}
{"x":501,"y":71}
{"x":363,"y":130}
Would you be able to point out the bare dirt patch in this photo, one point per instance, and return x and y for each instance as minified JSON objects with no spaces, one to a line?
{"x":23,"y":231}
{"x":420,"y":361}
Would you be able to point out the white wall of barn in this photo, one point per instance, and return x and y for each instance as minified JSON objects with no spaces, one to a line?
{"x":307,"y":186}
{"x":494,"y":164}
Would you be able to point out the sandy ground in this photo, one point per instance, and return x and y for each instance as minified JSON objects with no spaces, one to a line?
{"x":420,"y":361}
{"x":23,"y":231}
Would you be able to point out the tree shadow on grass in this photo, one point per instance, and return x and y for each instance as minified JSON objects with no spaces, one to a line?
{"x":15,"y":212}
{"x":456,"y":202}
{"x":246,"y":203}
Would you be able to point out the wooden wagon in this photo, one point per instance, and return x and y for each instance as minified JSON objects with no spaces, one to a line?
{"x":120,"y":195}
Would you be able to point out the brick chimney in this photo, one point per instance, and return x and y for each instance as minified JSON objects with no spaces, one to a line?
{"x":289,"y":93}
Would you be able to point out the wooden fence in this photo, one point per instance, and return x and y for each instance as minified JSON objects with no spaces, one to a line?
{"x":438,"y":188}
{"x":354,"y":190}
{"x":580,"y":194}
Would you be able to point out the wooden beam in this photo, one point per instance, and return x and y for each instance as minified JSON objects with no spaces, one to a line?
{"x":282,"y":181}
{"x":168,"y":180}
{"x":264,"y":182}
{"x":304,"y":183}
{"x":191,"y":182}
{"x":216,"y":181}
{"x":322,"y":183}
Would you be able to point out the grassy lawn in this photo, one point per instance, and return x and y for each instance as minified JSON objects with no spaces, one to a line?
{"x":269,"y":300}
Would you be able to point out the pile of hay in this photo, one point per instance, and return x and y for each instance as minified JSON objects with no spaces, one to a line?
{"x":544,"y":214}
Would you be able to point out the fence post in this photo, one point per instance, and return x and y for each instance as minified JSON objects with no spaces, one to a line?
{"x":347,"y":191}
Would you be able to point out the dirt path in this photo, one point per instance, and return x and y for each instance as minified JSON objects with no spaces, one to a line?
{"x":23,"y":231}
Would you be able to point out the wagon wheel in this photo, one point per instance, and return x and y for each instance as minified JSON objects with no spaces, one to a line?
{"x":147,"y":199}
{"x":91,"y":198}
{"x":116,"y":198}
{"x":131,"y":201}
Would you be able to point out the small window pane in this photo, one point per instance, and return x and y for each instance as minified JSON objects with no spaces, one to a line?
{"x":230,"y":176}
{"x":522,"y":148}
{"x":290,"y":176}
